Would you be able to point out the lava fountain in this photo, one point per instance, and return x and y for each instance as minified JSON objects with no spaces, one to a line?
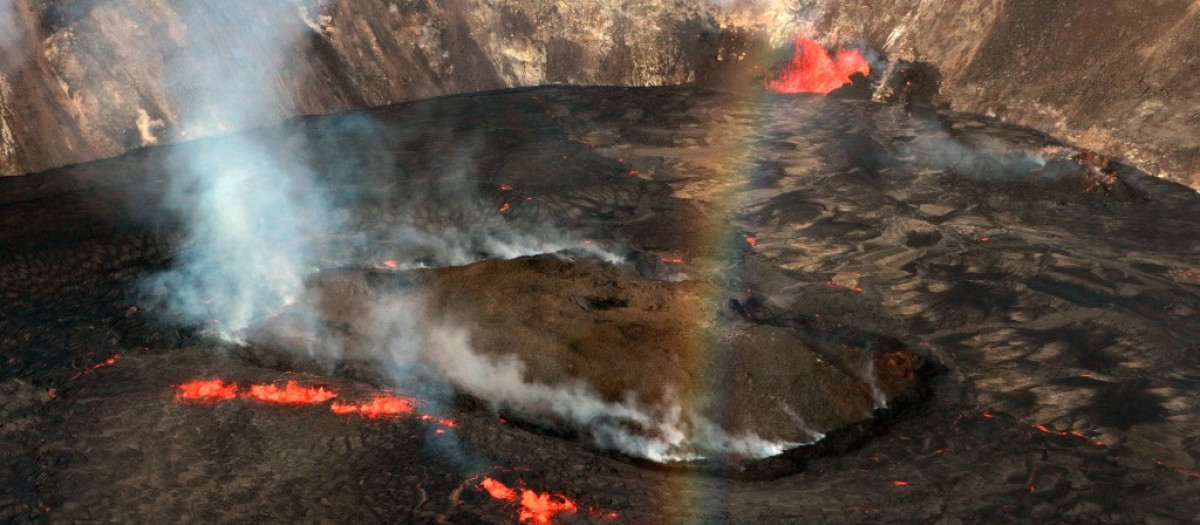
{"x":814,"y":70}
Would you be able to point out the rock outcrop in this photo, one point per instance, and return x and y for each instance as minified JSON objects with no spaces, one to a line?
{"x":1113,"y":76}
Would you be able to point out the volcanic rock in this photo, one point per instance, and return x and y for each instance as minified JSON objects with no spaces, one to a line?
{"x":1063,"y":311}
{"x":662,"y":343}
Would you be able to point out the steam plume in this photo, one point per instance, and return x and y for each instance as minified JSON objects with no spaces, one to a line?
{"x":12,"y":35}
{"x":247,"y":209}
{"x":411,"y":345}
{"x":254,"y":212}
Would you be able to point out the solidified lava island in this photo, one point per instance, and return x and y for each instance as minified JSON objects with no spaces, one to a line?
{"x":784,"y":303}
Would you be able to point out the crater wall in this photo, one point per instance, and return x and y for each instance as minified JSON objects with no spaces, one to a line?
{"x":88,"y":79}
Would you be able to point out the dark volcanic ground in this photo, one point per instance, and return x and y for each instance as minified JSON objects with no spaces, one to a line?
{"x":1052,"y":299}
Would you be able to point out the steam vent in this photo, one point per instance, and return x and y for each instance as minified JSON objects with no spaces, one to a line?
{"x":596,"y":261}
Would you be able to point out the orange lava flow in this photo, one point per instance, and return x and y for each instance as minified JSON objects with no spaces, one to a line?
{"x":1047,"y":430}
{"x":205,"y":391}
{"x":290,"y":394}
{"x":380,"y":406}
{"x":498,"y":490}
{"x":813,"y":70}
{"x":538,"y":508}
{"x":541,"y":508}
{"x":107,"y":362}
{"x":855,"y":288}
{"x":449,"y":423}
{"x":103,"y":364}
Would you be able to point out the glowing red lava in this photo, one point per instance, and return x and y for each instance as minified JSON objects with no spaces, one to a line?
{"x":1047,"y":430}
{"x":448,"y":423}
{"x":290,"y":394}
{"x":505,"y":207}
{"x":103,"y":364}
{"x":498,"y":490}
{"x":539,"y":508}
{"x":205,"y":391}
{"x":753,"y":242}
{"x":854,"y":288}
{"x":813,"y":70}
{"x":381,"y":406}
{"x":107,"y":362}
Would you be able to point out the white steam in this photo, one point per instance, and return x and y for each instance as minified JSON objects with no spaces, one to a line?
{"x":664,"y":432}
{"x":255,"y":213}
{"x":12,"y":33}
{"x":935,"y":145}
{"x":247,"y":209}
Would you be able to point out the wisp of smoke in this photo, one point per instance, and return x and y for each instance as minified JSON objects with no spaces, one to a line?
{"x":253,"y":215}
{"x":12,"y":31}
{"x":413,"y":346}
{"x":989,"y":159}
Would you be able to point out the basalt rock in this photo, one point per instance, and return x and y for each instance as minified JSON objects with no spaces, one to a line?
{"x":661,"y":343}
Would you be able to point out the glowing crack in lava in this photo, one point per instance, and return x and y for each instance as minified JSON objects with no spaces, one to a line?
{"x":813,"y":70}
{"x":205,"y":391}
{"x":538,"y":508}
{"x":380,"y":406}
{"x":103,"y":364}
{"x":291,"y":394}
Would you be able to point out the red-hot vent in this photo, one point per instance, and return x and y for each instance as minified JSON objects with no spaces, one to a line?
{"x":538,"y":508}
{"x":379,"y":407}
{"x":205,"y":391}
{"x":814,"y":70}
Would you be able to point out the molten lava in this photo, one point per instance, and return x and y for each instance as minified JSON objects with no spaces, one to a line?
{"x":103,"y":364}
{"x":381,"y":406}
{"x":1065,"y":433}
{"x":107,"y":362}
{"x":813,"y":70}
{"x":290,"y":394}
{"x":448,"y":423}
{"x":498,"y":490}
{"x":206,"y":391}
{"x":538,"y":508}
{"x":853,"y":288}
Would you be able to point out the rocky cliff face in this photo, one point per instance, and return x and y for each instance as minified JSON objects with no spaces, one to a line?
{"x":1114,"y":76}
{"x":87,"y":79}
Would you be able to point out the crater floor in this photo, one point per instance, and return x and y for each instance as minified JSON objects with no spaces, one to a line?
{"x":1062,"y":303}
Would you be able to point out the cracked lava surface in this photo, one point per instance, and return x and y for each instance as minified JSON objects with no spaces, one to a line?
{"x":1061,"y":308}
